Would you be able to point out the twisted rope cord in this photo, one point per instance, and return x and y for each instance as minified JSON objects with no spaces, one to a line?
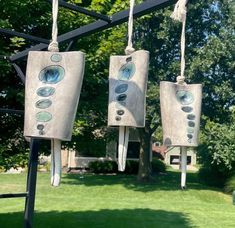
{"x":53,"y":46}
{"x":179,"y":14}
{"x":129,"y":49}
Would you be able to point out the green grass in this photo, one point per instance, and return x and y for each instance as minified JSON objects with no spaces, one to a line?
{"x":99,"y":201}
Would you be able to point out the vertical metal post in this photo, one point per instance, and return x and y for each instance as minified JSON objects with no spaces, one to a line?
{"x":31,"y":183}
{"x":183,"y":151}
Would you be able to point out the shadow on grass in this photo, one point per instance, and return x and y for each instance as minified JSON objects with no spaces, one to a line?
{"x":167,"y":182}
{"x":125,"y":218}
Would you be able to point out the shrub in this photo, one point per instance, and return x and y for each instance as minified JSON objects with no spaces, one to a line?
{"x":103,"y":166}
{"x":230,"y":184}
{"x":132,"y":167}
{"x":158,"y":166}
{"x":212,"y":176}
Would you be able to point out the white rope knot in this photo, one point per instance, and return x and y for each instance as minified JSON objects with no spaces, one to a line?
{"x":180,"y":80}
{"x":129,"y":50}
{"x":53,"y":46}
{"x":180,"y":10}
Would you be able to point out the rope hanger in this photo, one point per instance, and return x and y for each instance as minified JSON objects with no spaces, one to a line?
{"x":129,"y":49}
{"x":53,"y":46}
{"x":179,"y":14}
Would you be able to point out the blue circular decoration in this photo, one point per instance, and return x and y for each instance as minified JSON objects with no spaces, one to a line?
{"x":187,"y":109}
{"x":184,"y":97}
{"x":52,"y":74}
{"x":56,"y":58}
{"x":43,"y":116}
{"x":45,"y":91}
{"x":127,"y":71}
{"x":191,"y":117}
{"x":120,"y":112}
{"x":190,"y":136}
{"x":191,"y":124}
{"x":121,"y":88}
{"x":121,"y":97}
{"x":44,"y":103}
{"x":40,"y":126}
{"x":190,"y":130}
{"x":120,"y":104}
{"x":118,"y":118}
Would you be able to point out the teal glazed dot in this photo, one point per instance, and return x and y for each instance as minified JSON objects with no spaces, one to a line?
{"x":187,"y":109}
{"x":191,"y":117}
{"x":52,"y":74}
{"x":121,"y":97}
{"x":127,"y":71}
{"x":56,"y":58}
{"x":44,"y":103}
{"x":45,"y":91}
{"x":43,"y":116}
{"x":120,"y":112}
{"x":184,"y":97}
{"x":121,"y":88}
{"x":190,"y":130}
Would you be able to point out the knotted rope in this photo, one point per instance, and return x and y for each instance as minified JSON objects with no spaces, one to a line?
{"x":53,"y":46}
{"x":179,"y":14}
{"x":129,"y":49}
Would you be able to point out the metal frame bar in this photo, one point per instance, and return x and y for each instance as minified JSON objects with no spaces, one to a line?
{"x":31,"y":183}
{"x":23,"y":35}
{"x":11,"y":111}
{"x":14,"y":195}
{"x":117,"y":18}
{"x":83,"y":10}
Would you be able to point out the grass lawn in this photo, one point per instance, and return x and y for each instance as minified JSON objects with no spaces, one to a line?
{"x":118,"y":201}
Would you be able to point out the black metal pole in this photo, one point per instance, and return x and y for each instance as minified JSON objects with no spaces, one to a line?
{"x":31,"y":183}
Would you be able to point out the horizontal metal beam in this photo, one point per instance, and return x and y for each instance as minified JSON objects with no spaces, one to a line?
{"x":9,"y":32}
{"x":83,"y":10}
{"x":11,"y":111}
{"x":13,"y":195}
{"x":117,"y":18}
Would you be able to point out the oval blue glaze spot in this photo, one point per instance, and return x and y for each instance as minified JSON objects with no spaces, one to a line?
{"x":118,"y":118}
{"x":190,"y":130}
{"x":120,"y":104}
{"x":190,"y":136}
{"x":127,"y":71}
{"x":121,"y":97}
{"x":56,"y":58}
{"x":121,"y":88}
{"x":120,"y":112}
{"x":45,"y":91}
{"x":187,"y":109}
{"x":184,"y":97}
{"x":40,"y":126}
{"x":52,"y":74}
{"x":191,"y":117}
{"x":43,"y":116}
{"x":44,"y":103}
{"x":191,"y":124}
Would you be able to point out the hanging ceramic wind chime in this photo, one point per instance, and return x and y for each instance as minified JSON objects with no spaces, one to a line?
{"x":127,"y":88}
{"x":52,"y":90}
{"x":181,"y":104}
